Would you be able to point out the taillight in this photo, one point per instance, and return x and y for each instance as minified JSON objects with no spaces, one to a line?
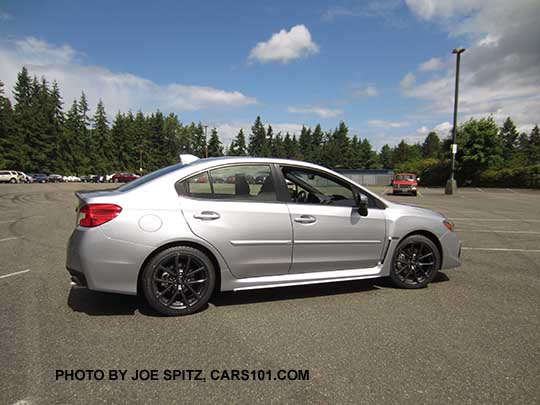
{"x":98,"y":214}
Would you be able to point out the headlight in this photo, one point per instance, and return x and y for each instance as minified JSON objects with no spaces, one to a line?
{"x":449,"y":224}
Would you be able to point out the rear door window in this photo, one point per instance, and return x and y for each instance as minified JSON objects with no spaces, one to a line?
{"x":238,"y":182}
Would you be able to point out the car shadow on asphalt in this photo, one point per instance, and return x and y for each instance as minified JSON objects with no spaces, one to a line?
{"x":99,"y":303}
{"x":95,"y":303}
{"x":296,"y":292}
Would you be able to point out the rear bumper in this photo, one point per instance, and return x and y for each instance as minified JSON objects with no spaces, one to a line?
{"x":100,"y":263}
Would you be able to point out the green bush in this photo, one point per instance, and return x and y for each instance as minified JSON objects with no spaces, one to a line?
{"x":524,"y":177}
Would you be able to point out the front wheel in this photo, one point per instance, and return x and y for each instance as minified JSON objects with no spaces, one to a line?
{"x":178,"y":281}
{"x":12,"y":181}
{"x":415,"y":262}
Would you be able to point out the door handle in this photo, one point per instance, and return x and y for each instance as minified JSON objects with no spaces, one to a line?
{"x":305,"y":219}
{"x":207,"y":215}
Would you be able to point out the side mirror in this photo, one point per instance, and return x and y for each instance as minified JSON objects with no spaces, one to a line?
{"x":361,"y":202}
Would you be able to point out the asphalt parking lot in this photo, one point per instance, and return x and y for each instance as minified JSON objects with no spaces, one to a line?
{"x":473,"y":336}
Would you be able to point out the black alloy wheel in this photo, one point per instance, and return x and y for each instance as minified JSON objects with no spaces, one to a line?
{"x":415,"y":262}
{"x":179,"y":281}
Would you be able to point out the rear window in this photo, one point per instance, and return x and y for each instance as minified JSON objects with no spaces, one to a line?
{"x":149,"y":177}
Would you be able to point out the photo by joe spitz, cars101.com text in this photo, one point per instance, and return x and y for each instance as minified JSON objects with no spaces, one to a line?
{"x":329,"y":202}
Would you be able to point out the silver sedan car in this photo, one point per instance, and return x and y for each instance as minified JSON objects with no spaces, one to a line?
{"x":181,"y":233}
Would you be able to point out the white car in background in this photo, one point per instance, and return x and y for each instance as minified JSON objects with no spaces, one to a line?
{"x":9,"y":176}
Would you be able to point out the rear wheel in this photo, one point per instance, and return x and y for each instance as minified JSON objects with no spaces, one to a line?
{"x":178,"y":281}
{"x":415,"y":262}
{"x":414,"y":193}
{"x":12,"y":180}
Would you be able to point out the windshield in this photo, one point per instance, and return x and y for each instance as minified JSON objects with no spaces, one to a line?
{"x":149,"y":177}
{"x":410,"y":177}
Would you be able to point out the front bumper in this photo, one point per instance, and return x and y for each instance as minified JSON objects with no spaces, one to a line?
{"x":451,"y":246}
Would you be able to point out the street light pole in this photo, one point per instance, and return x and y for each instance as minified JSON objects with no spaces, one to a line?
{"x":451,"y":185}
{"x":205,"y":141}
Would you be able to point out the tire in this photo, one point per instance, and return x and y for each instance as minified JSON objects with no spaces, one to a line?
{"x":12,"y":181}
{"x":171,"y":281}
{"x":115,"y":181}
{"x":414,"y":193}
{"x":415,"y":262}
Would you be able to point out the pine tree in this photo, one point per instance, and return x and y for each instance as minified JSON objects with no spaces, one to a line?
{"x":23,"y":119}
{"x":101,"y":142}
{"x":534,"y":146}
{"x":215,"y":147}
{"x":8,"y":146}
{"x":509,"y":136}
{"x":278,"y":148}
{"x":57,"y":123}
{"x":238,"y":145}
{"x":198,"y":141}
{"x":431,"y":146}
{"x":305,"y":143}
{"x":258,"y":145}
{"x":316,"y":144}
{"x":385,"y":157}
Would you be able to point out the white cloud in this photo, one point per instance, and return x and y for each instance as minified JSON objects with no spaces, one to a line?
{"x":318,"y":111}
{"x":6,"y":16}
{"x":119,"y":91}
{"x":408,"y":80}
{"x":443,"y":129}
{"x":366,"y":91}
{"x":422,"y":130}
{"x":387,"y":124}
{"x":285,"y":46}
{"x":499,"y":70}
{"x":431,"y":64}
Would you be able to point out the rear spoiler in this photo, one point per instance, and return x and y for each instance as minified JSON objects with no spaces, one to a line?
{"x":186,"y":159}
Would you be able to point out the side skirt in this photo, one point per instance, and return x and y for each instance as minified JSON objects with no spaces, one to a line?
{"x":287,"y":280}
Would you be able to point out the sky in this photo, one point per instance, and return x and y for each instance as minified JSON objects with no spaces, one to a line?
{"x":383,"y":67}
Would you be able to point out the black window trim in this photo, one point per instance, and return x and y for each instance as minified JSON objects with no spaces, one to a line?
{"x":209,"y":169}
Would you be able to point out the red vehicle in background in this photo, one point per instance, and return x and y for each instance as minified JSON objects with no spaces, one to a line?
{"x":124,"y":177}
{"x":405,"y":183}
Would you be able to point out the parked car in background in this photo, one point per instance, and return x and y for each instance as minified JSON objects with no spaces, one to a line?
{"x":55,"y":178}
{"x":176,"y":241}
{"x":25,"y":178}
{"x":9,"y":176}
{"x":40,"y":178}
{"x":124,"y":177}
{"x":98,"y":178}
{"x":405,"y":183}
{"x":72,"y":179}
{"x":86,"y":178}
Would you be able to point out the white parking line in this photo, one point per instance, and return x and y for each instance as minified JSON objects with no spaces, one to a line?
{"x":496,"y":231}
{"x":6,"y":239}
{"x":479,"y":189}
{"x":502,"y":249}
{"x":14,"y":274}
{"x":7,"y":222}
{"x":512,"y":191}
{"x":495,"y":219}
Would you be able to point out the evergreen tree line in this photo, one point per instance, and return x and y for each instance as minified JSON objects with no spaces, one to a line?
{"x":36,"y":135}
